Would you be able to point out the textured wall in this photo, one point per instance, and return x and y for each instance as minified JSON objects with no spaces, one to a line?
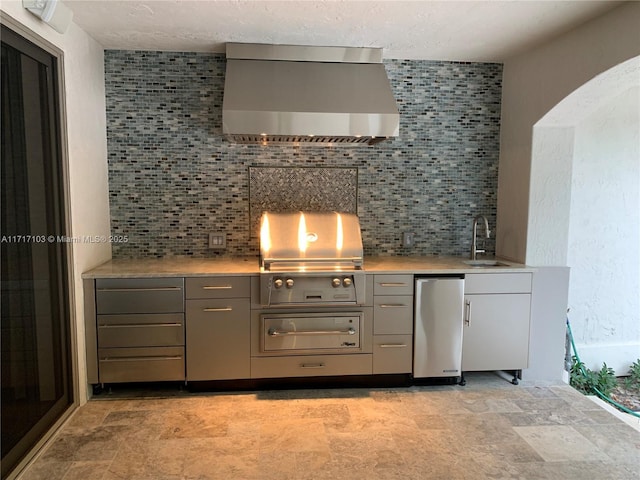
{"x":604,"y":295}
{"x":174,"y":178}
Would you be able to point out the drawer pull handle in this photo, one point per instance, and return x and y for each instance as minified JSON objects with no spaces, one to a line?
{"x":312,"y":365}
{"x":146,"y":359}
{"x":221,"y":309}
{"x":393,"y":284}
{"x":217,"y":287}
{"x":281,"y":333}
{"x":140,"y":325}
{"x":393,"y":305}
{"x":140,"y":289}
{"x":392,"y":345}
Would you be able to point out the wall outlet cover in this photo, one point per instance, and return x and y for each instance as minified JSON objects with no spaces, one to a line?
{"x":217,"y":241}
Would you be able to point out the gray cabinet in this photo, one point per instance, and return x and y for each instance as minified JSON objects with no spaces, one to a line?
{"x":392,"y":324}
{"x":496,"y":321}
{"x":139,"y":325}
{"x":218,"y":328}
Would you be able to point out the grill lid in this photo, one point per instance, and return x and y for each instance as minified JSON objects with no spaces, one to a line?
{"x":310,"y":238}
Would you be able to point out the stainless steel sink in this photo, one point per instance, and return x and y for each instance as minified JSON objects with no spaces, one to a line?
{"x":486,"y":263}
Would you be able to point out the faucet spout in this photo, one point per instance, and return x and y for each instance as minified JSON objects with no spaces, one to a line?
{"x":474,"y":245}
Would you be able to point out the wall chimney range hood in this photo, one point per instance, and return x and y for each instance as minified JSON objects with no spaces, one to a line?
{"x":304,"y":94}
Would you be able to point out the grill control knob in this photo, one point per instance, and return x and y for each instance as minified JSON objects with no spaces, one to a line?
{"x":278,"y":283}
{"x":346,"y":282}
{"x":289,"y":282}
{"x":335,"y":283}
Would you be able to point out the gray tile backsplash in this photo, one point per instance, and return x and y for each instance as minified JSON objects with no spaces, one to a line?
{"x":173,"y":177}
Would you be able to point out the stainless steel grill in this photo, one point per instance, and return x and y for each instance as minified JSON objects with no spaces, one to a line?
{"x":310,"y":258}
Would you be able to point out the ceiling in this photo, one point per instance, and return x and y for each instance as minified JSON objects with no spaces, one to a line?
{"x":484,"y":31}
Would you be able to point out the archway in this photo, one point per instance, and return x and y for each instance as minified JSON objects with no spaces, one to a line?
{"x":585,"y":210}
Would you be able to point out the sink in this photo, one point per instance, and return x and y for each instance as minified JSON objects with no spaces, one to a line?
{"x":486,"y":263}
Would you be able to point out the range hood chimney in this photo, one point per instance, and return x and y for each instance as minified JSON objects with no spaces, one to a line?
{"x":302,"y":94}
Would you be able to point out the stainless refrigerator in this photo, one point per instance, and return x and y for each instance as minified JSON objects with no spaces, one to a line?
{"x":437,"y":349}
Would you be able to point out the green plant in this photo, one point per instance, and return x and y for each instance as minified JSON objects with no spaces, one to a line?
{"x":580,"y":377}
{"x":628,"y":383}
{"x":586,"y":380}
{"x":634,"y":371}
{"x":606,"y":380}
{"x":632,"y":382}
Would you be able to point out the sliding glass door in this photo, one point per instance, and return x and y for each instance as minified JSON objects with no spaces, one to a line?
{"x":35,"y":346}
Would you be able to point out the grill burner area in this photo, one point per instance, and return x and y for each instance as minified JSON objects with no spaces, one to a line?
{"x":311,"y":259}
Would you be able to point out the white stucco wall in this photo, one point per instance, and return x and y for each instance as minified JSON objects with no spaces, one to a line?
{"x":87,"y":152}
{"x":533,"y":83}
{"x":604,"y":234}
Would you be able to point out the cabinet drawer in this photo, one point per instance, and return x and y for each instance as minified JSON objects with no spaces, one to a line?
{"x":154,"y":364}
{"x":218,"y":287}
{"x":139,"y":295}
{"x":393,"y":314}
{"x":497,"y":283}
{"x":155,"y":330}
{"x":392,"y":354}
{"x":393,"y":285}
{"x":211,"y":309}
{"x":311,"y":366}
{"x":218,"y":339}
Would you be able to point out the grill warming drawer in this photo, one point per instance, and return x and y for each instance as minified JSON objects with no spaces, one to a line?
{"x":311,"y":333}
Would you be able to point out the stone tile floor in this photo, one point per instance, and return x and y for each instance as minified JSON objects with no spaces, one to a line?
{"x":488,"y":429}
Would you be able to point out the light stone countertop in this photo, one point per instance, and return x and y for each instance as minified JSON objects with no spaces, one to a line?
{"x":174,"y":267}
{"x":436,"y":265}
{"x":200,"y":267}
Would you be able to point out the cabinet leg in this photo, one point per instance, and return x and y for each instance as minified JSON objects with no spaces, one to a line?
{"x":462,"y":381}
{"x":517,"y":376}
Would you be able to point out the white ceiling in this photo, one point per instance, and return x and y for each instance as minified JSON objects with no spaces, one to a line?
{"x":486,"y":31}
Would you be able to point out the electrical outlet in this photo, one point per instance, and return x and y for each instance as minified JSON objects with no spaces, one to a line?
{"x":217,"y":240}
{"x":408,"y":239}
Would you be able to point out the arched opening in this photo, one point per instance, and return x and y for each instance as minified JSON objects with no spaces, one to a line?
{"x":584,"y":211}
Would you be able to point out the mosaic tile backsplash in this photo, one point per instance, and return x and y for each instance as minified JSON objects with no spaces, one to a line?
{"x":301,"y":189}
{"x":173,"y":178}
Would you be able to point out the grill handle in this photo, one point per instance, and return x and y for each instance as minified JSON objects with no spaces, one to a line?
{"x":283,"y":333}
{"x":355,"y":262}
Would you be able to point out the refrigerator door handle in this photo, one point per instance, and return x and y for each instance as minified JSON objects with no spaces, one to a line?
{"x":467,"y":312}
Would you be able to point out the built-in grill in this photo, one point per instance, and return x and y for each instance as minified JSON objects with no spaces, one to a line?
{"x":310,"y":258}
{"x":312,"y":286}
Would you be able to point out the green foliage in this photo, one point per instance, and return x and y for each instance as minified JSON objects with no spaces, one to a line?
{"x":580,"y":377}
{"x":585,"y":380}
{"x":632,"y":382}
{"x":606,"y":380}
{"x":634,"y":371}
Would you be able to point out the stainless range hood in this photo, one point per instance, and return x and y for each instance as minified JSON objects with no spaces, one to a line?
{"x":298,"y":94}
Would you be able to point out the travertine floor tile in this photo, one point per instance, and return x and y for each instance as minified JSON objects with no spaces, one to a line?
{"x":560,"y":443}
{"x":488,"y":429}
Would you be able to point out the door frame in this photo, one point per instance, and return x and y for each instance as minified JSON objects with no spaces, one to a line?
{"x":58,"y":54}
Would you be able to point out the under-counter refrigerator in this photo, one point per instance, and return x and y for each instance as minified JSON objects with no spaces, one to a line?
{"x":439,"y":310}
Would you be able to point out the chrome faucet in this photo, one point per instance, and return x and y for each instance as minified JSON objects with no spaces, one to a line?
{"x":474,"y":249}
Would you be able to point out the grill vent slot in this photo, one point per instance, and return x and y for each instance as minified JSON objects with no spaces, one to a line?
{"x":304,"y":139}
